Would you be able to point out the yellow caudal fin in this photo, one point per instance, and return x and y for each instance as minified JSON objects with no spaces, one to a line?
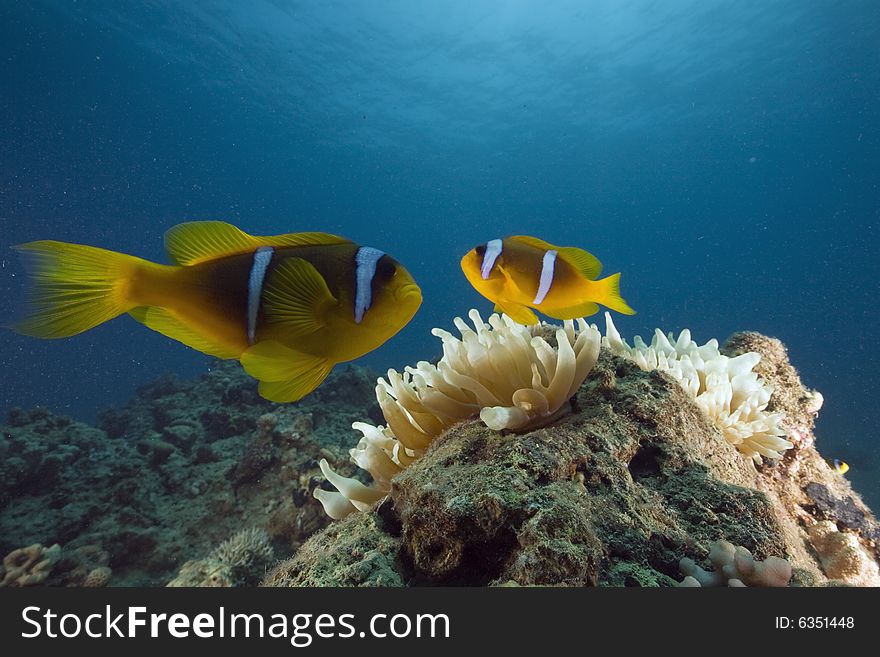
{"x":285,"y":375}
{"x":607,"y":292}
{"x":75,"y":288}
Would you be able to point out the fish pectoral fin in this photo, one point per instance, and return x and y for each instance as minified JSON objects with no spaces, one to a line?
{"x":517,"y":312}
{"x":584,"y":261}
{"x":510,"y":286}
{"x":573,"y":312}
{"x":198,"y":241}
{"x":285,"y":375}
{"x":297,"y":297}
{"x":162,"y":321}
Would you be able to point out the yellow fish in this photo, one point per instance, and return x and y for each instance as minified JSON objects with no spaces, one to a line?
{"x":840,"y":467}
{"x":520,"y":272}
{"x":289,"y":307}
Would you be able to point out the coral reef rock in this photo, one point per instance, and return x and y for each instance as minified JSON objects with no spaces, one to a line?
{"x":180,"y":468}
{"x":615,"y":494}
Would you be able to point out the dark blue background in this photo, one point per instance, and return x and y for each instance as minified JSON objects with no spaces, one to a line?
{"x":724,"y":156}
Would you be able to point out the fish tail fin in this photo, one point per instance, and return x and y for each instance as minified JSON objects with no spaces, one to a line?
{"x":608,"y":294}
{"x":75,"y":287}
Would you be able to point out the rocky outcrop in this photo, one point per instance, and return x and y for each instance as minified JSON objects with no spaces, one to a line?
{"x":617,"y":493}
{"x":163,"y":480}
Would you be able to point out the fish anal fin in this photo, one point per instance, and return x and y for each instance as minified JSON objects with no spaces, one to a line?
{"x":297,"y":298}
{"x":199,"y":241}
{"x":285,"y":375}
{"x":163,"y":322}
{"x":517,"y":312}
{"x":573,"y":312}
{"x":585,"y":262}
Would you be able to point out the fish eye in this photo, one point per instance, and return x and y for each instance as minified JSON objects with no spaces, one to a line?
{"x":385,"y":269}
{"x":481,"y":250}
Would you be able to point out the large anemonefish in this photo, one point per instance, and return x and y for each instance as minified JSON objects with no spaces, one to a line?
{"x":289,"y":307}
{"x":521,"y":272}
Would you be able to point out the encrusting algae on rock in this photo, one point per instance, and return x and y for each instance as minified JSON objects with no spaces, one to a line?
{"x":165,"y":479}
{"x":638,"y":477}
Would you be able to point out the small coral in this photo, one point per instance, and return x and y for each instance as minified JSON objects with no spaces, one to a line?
{"x":29,"y":565}
{"x":726,"y":388}
{"x":86,"y":565}
{"x":240,"y":559}
{"x":507,"y":373}
{"x":203,"y":573}
{"x":735,"y":566}
{"x":98,"y":577}
{"x":247,"y":548}
{"x":842,"y":555}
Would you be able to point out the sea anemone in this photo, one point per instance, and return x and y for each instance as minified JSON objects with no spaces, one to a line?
{"x":514,"y":377}
{"x":732,"y":395}
{"x":508,"y":373}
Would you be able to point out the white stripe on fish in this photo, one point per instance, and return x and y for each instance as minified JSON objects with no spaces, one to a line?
{"x":365,"y":260}
{"x":547,"y":267}
{"x":493,"y":250}
{"x":262,"y":257}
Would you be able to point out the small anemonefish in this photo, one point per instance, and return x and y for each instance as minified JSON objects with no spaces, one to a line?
{"x":840,"y":467}
{"x":521,"y":272}
{"x":289,"y":307}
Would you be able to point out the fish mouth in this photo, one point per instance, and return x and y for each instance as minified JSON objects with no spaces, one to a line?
{"x":408,"y":293}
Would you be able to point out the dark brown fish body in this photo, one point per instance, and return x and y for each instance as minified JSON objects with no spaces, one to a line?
{"x":288,"y":307}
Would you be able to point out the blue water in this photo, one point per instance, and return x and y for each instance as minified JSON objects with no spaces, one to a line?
{"x":724,"y":156}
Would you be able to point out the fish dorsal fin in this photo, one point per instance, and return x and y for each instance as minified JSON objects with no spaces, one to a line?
{"x":198,"y":241}
{"x":297,"y":296}
{"x":162,"y":321}
{"x":532,"y":241}
{"x":586,"y":263}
